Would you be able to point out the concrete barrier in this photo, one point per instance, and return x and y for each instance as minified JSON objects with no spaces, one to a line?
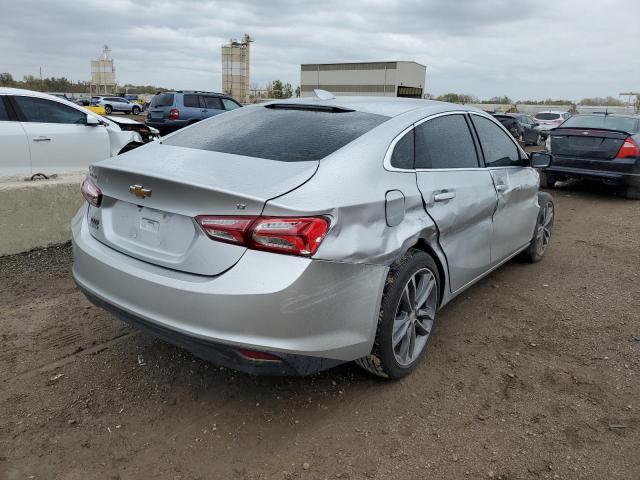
{"x":37,"y":213}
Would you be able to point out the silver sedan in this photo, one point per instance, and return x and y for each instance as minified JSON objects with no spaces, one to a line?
{"x":292,"y":236}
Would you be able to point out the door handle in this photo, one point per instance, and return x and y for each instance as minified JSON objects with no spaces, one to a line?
{"x":501,"y":187}
{"x":41,"y":139}
{"x":444,"y":195}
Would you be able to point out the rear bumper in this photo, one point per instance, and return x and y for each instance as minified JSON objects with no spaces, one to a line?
{"x":290,"y":306}
{"x":613,"y":175}
{"x":165,"y":125}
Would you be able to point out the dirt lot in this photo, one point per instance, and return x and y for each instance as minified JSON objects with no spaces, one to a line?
{"x":533,"y":373}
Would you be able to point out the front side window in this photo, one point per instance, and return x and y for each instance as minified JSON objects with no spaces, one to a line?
{"x":403,"y":152}
{"x":229,"y":104}
{"x":41,"y":110}
{"x":213,"y":103}
{"x":445,"y":142}
{"x":498,"y":148}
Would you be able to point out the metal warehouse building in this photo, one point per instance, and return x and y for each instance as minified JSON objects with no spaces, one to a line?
{"x":383,"y":79}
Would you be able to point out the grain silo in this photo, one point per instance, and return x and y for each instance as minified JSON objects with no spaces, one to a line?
{"x":103,"y":74}
{"x":235,"y":68}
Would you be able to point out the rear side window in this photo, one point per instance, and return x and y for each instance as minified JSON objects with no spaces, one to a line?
{"x":192,"y":101}
{"x":41,"y":110}
{"x":498,"y":148}
{"x":162,"y":100}
{"x":213,"y":103}
{"x":4,"y":115}
{"x":286,"y":135}
{"x":403,"y":153}
{"x":624,"y":124}
{"x":445,"y":142}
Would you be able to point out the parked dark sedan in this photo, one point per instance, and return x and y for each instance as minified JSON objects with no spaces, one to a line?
{"x":522,"y":127}
{"x":596,"y":146}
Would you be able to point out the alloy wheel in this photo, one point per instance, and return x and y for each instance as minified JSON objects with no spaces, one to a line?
{"x":543,"y":234}
{"x":414,"y":316}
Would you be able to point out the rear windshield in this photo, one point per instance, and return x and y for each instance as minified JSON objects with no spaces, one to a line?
{"x":548,"y":116}
{"x":162,"y":100}
{"x":277,"y":134}
{"x":624,"y":124}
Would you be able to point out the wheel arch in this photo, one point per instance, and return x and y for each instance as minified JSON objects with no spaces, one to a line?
{"x":424,"y":245}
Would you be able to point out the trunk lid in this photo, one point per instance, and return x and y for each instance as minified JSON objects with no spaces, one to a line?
{"x":152,"y":194}
{"x":587,"y":143}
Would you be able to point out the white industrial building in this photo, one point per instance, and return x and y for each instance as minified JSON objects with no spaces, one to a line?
{"x":383,"y":79}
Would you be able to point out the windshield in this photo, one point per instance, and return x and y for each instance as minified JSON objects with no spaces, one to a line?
{"x":624,"y":124}
{"x":288,"y":135}
{"x":548,"y":116}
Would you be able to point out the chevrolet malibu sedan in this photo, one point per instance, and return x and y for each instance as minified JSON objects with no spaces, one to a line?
{"x":292,"y":236}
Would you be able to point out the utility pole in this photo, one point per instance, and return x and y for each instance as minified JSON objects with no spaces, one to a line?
{"x":41,"y":87}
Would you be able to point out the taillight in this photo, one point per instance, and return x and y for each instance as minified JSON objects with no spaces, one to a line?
{"x":174,"y":114}
{"x":628,"y":149}
{"x":91,"y":192}
{"x":296,"y":236}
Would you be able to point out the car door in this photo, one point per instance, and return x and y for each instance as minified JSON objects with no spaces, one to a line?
{"x":192,"y":106}
{"x":516,"y":185}
{"x":458,"y":194}
{"x":14,"y":148}
{"x":211,"y":106}
{"x":58,"y":137}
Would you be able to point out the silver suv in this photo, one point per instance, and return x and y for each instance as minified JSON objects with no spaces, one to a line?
{"x":117,"y":104}
{"x":550,"y":119}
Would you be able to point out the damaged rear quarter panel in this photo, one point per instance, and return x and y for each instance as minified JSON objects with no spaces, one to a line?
{"x":350,"y":186}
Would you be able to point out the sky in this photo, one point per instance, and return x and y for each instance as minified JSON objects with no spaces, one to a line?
{"x":525,"y":49}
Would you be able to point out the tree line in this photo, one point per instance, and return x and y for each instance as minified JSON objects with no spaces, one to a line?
{"x":64,"y":85}
{"x":505,"y":100}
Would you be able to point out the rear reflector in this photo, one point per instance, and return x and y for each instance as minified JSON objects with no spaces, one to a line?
{"x":91,"y":192}
{"x":174,"y":114}
{"x":256,"y":355}
{"x":628,"y":149}
{"x":296,"y":236}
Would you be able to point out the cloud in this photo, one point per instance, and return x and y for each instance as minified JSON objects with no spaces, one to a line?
{"x":525,"y":49}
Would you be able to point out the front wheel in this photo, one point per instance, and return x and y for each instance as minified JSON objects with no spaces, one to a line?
{"x":108,"y":109}
{"x":543,"y":230}
{"x":407,"y":315}
{"x":135,"y":110}
{"x":538,"y":140}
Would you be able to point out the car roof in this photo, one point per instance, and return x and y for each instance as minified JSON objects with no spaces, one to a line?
{"x":387,"y":106}
{"x":552,"y":111}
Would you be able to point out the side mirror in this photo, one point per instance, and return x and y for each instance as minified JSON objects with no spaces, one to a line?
{"x":536,"y":124}
{"x":93,"y":121}
{"x":540,"y":159}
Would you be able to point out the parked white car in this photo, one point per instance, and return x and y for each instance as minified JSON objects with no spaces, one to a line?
{"x":40,"y":133}
{"x":550,"y":119}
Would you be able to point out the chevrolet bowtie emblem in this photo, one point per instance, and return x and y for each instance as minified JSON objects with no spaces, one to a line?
{"x":140,"y":191}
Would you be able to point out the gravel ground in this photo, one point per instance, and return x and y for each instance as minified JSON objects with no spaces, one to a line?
{"x":532,"y":373}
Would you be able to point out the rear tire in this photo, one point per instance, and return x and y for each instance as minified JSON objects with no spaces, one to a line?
{"x":135,"y":111}
{"x":108,"y":109}
{"x":633,"y":193}
{"x":543,"y":230}
{"x":547,"y":180}
{"x":407,"y":316}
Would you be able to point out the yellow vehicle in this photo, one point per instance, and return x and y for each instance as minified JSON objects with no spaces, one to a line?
{"x":99,"y":109}
{"x":85,"y":103}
